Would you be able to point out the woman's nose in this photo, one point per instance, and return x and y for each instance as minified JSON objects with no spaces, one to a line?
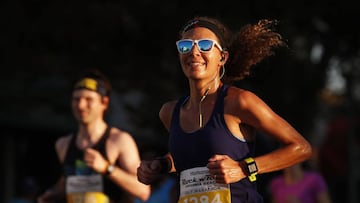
{"x":195,"y":50}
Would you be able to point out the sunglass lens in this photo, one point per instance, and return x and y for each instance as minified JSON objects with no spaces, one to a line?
{"x":184,"y":46}
{"x":205,"y":45}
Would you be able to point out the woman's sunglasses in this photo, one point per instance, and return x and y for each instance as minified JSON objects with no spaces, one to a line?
{"x":204,"y":45}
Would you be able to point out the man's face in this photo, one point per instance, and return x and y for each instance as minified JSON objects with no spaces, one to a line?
{"x":88,"y":106}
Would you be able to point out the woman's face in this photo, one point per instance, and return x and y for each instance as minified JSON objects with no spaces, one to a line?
{"x":198,"y":65}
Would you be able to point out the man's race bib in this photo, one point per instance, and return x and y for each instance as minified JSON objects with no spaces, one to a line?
{"x":198,"y":186}
{"x":85,"y":189}
{"x":87,"y":197}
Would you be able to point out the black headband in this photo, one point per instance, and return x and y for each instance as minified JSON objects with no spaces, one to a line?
{"x":91,"y":84}
{"x":202,"y":23}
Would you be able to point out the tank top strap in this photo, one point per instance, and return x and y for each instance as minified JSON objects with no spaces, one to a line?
{"x":224,"y":89}
{"x":72,"y":143}
{"x":176,"y":112}
{"x":101,"y":144}
{"x":219,"y":105}
{"x":72,"y":149}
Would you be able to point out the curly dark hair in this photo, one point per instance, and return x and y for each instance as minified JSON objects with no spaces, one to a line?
{"x":247,"y":47}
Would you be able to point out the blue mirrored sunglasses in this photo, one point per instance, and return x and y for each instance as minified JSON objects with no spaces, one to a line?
{"x":204,"y":45}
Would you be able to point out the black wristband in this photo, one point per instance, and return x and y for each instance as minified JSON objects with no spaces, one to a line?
{"x":251,"y":168}
{"x":165,"y":164}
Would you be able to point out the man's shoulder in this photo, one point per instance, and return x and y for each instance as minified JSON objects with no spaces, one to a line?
{"x":61,"y":146}
{"x":119,"y":134}
{"x":63,"y":140}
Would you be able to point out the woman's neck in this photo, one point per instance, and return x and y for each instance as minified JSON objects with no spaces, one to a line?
{"x":200,"y":88}
{"x":199,"y":92}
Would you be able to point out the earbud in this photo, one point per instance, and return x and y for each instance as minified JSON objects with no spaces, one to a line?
{"x":222,"y":58}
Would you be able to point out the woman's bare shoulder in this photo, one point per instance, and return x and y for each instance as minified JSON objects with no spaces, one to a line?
{"x":166,"y":111}
{"x":242,"y":97}
{"x":168,"y":106}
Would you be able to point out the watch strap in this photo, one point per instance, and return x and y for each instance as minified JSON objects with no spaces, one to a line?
{"x":251,"y":168}
{"x":109,"y":169}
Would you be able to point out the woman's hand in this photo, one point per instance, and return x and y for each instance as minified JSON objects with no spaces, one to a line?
{"x":224,"y":169}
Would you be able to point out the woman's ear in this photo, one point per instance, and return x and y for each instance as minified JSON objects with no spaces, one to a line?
{"x":224,"y":57}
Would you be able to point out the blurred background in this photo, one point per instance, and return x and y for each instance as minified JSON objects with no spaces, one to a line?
{"x":315,"y":84}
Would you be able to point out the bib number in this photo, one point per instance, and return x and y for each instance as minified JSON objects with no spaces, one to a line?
{"x":87,"y":197}
{"x":85,"y":189}
{"x":198,"y":186}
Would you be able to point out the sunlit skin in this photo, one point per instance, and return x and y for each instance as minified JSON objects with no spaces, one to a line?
{"x":243,"y":112}
{"x":88,"y":106}
{"x":201,"y":68}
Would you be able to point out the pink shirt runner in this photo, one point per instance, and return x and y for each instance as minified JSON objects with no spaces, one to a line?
{"x":305,"y":191}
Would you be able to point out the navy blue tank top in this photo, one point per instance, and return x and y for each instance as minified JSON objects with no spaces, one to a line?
{"x":74,"y":156}
{"x":193,"y":149}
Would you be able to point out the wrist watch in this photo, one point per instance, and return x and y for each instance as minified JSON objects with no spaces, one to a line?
{"x":109,"y":169}
{"x":251,"y":168}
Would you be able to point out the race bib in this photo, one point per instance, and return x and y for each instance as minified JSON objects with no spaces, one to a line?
{"x":198,"y":186}
{"x":87,"y":197}
{"x":85,"y":189}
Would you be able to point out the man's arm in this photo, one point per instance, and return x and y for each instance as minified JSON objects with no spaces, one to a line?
{"x":124,"y":173}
